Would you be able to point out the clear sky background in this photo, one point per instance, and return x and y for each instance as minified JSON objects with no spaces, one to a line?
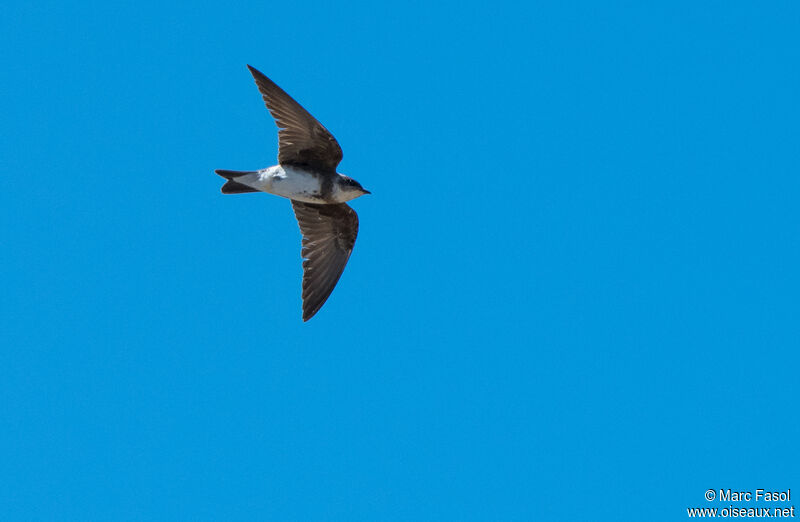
{"x":574,"y":295}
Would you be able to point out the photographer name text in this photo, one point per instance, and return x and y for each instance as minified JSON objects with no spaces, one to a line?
{"x":760,"y":495}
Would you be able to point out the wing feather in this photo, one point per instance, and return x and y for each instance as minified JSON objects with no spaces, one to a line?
{"x":302,"y":140}
{"x":329,"y":234}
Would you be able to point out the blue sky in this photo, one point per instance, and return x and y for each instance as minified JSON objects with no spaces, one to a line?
{"x":574,"y":295}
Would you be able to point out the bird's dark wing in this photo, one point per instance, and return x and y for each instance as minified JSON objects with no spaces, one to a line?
{"x":302,"y":140}
{"x":329,"y":233}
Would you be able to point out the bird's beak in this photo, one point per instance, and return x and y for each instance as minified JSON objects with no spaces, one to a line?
{"x":366,"y":191}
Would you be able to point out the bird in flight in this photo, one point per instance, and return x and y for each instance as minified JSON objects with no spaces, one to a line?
{"x":306,"y":174}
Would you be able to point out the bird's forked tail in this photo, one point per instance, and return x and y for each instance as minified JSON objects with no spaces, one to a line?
{"x":232,"y":186}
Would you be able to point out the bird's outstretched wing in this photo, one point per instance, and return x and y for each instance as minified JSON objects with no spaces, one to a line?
{"x":302,"y":140}
{"x":329,"y":233}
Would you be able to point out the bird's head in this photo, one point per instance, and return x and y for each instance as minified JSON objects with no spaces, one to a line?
{"x":350,"y":188}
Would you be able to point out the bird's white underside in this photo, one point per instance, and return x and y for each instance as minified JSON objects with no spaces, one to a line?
{"x":290,"y":182}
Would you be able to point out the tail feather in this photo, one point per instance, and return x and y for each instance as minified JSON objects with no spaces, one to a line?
{"x":232,"y":187}
{"x":230,"y":174}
